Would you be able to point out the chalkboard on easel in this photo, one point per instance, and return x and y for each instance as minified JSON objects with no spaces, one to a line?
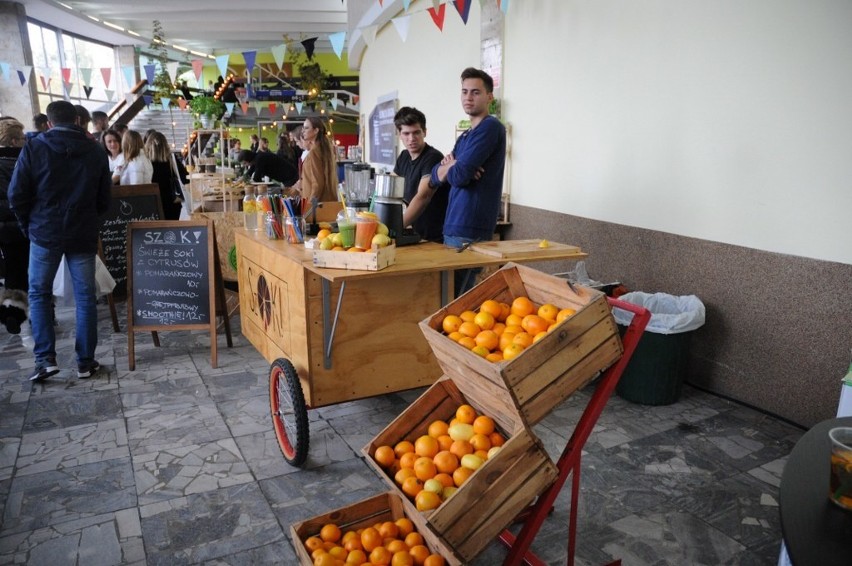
{"x":129,"y":203}
{"x":174,"y":280}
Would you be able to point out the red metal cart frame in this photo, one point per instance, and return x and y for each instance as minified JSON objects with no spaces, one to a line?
{"x":569,"y":461}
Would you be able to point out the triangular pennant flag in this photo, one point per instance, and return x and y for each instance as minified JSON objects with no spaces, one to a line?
{"x":66,"y":75}
{"x":150,"y":71}
{"x":402,"y":24}
{"x":335,"y":102}
{"x":299,"y":106}
{"x":244,"y":106}
{"x":197,"y":66}
{"x":24,"y":74}
{"x":165,"y":102}
{"x":278,"y":53}
{"x":5,"y":68}
{"x":148,"y":98}
{"x":171,"y":69}
{"x":503,"y":5}
{"x":438,"y":15}
{"x":355,"y":99}
{"x":272,"y":107}
{"x":43,"y":82}
{"x":88,"y":90}
{"x":68,"y":87}
{"x":128,"y":75}
{"x":249,"y":56}
{"x":463,"y":7}
{"x":309,"y":45}
{"x":182,"y":103}
{"x":222,"y":63}
{"x":406,"y":4}
{"x":369,"y":34}
{"x":230,"y":107}
{"x":337,"y":40}
{"x":381,"y":3}
{"x":110,"y":94}
{"x":86,"y":73}
{"x":257,"y":106}
{"x":106,"y":74}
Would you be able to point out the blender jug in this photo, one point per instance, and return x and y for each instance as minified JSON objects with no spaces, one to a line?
{"x":357,"y":188}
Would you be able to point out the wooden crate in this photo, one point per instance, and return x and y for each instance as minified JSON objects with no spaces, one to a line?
{"x":550,"y":370}
{"x":383,"y":507}
{"x":371,"y":260}
{"x":495,"y":493}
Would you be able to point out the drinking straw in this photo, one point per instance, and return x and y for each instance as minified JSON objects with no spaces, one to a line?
{"x":343,"y":202}
{"x":295,"y":229}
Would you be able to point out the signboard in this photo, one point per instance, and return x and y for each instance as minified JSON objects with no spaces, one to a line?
{"x":383,"y":133}
{"x":129,"y":203}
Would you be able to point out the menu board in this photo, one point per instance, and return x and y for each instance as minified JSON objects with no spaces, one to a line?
{"x":172,"y":274}
{"x":129,"y":203}
{"x":383,"y":133}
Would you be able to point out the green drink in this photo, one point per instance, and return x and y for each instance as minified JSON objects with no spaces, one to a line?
{"x":347,"y":233}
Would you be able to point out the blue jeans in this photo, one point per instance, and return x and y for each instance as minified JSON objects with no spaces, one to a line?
{"x":44,"y":264}
{"x":464,"y":279}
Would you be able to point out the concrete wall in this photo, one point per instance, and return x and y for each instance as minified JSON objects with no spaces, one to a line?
{"x":15,"y":100}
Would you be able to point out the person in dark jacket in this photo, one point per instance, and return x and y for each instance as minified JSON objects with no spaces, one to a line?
{"x":265,"y":164}
{"x":14,"y":247}
{"x":60,"y":186}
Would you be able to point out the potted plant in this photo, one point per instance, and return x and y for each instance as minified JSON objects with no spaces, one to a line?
{"x":207,"y":108}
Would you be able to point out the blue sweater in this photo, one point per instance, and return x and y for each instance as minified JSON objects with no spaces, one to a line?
{"x":475,"y":203}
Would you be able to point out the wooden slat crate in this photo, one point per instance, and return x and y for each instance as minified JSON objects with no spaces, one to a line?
{"x":495,"y":493}
{"x":550,"y":370}
{"x":383,"y":507}
{"x":371,"y":260}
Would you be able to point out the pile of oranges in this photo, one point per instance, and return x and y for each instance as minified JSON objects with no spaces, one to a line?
{"x":392,"y":543}
{"x":434,"y":466}
{"x":499,"y":331}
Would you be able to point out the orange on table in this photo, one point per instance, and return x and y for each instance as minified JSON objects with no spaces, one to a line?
{"x":330,"y":533}
{"x":460,"y":475}
{"x":445,"y":478}
{"x":565,"y":313}
{"x":403,"y":447}
{"x":466,"y":414}
{"x":461,"y":447}
{"x":385,"y":456}
{"x":426,"y":446}
{"x":512,"y":351}
{"x":411,"y":487}
{"x":420,"y":553}
{"x":523,"y":338}
{"x":437,"y":428}
{"x":407,"y":460}
{"x":480,"y":351}
{"x":522,"y":306}
{"x":380,"y":556}
{"x":548,"y":311}
{"x":470,"y":329}
{"x":488,"y":339}
{"x":427,"y":500}
{"x":467,"y":342}
{"x":451,"y":323}
{"x":446,"y":462}
{"x":483,"y":424}
{"x":467,"y":316}
{"x":455,"y":336}
{"x":480,"y":442}
{"x":484,"y":320}
{"x":534,"y":324}
{"x":424,"y":468}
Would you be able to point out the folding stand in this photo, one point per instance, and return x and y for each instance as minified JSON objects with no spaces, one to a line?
{"x":569,"y":461}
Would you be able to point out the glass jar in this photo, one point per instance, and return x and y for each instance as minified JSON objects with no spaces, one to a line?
{"x":250,"y":210}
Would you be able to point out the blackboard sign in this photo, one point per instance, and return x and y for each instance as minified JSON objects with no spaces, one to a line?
{"x":129,"y":203}
{"x":383,"y":133}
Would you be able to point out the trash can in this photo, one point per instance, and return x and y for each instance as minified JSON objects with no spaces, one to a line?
{"x":657,"y":369}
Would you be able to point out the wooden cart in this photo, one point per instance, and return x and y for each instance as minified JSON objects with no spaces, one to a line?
{"x":335,"y":335}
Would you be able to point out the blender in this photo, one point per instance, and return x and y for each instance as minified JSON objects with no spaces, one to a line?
{"x":389,"y":206}
{"x":356,"y":187}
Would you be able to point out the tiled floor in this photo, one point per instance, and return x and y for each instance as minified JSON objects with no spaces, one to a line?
{"x":176,"y":463}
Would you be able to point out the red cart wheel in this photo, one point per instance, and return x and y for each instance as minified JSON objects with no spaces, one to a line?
{"x":289,"y":412}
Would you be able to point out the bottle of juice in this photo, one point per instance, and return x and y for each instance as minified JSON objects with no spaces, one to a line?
{"x":250,"y":209}
{"x":262,"y":205}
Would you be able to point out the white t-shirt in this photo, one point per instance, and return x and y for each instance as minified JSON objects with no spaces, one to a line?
{"x":115,"y":162}
{"x":138,"y":171}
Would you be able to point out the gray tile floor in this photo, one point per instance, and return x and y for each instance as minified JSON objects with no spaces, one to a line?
{"x":176,"y":463}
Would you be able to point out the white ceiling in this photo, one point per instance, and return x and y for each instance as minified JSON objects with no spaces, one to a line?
{"x":207,"y":26}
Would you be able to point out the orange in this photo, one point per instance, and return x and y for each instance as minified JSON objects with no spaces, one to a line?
{"x":470,"y":329}
{"x":565,"y":313}
{"x":424,"y":468}
{"x":444,"y":441}
{"x":411,"y":487}
{"x":414,"y":539}
{"x":483,"y":424}
{"x":524,"y":339}
{"x":466,"y":414}
{"x":460,"y":475}
{"x":353,"y":543}
{"x":405,"y":526}
{"x":451,"y":323}
{"x":396,"y":545}
{"x":330,"y":533}
{"x":357,"y":557}
{"x":514,"y":329}
{"x":505,"y":339}
{"x":349,"y":535}
{"x":480,"y":442}
{"x":426,"y":446}
{"x":512,"y":351}
{"x":402,"y":558}
{"x":438,"y":429}
{"x":461,"y":447}
{"x":522,"y":306}
{"x":419,"y":553}
{"x":427,"y":500}
{"x":407,"y":460}
{"x":492,"y":307}
{"x":319,"y":552}
{"x":338,"y":249}
{"x":539,"y":336}
{"x":327,"y":559}
{"x":484,"y":320}
{"x":388,"y":529}
{"x":446,"y":479}
{"x":434,"y":560}
{"x":514,"y":320}
{"x":505,"y":310}
{"x":495,"y":357}
{"x":467,"y":342}
{"x":497,"y":439}
{"x":381,"y":556}
{"x":403,"y":447}
{"x":467,"y":316}
{"x":534,"y":324}
{"x":548,"y":311}
{"x":455,"y":336}
{"x":354,"y":249}
{"x":328,"y":545}
{"x":446,"y":462}
{"x":488,"y":339}
{"x":498,"y":328}
{"x":482,"y":454}
{"x":339,"y":552}
{"x":385,"y":456}
{"x":313,"y":543}
{"x":480,"y":351}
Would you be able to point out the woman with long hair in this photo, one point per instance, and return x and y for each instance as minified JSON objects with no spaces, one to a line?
{"x":14,"y":246}
{"x":319,"y":171}
{"x":158,"y":151}
{"x":137,"y":168}
{"x":111,"y":141}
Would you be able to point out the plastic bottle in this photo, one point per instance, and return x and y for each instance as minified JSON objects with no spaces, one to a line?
{"x":262,"y":205}
{"x":250,"y":210}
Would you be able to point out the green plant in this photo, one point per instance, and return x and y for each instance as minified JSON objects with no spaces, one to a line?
{"x":207,"y":106}
{"x":162,"y":87}
{"x":312,"y":77}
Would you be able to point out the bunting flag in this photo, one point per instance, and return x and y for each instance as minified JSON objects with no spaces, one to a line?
{"x":438,"y":15}
{"x":110,"y":94}
{"x":222,"y":63}
{"x":182,"y":103}
{"x":165,"y":102}
{"x":503,"y":5}
{"x":381,"y":3}
{"x":355,"y":100}
{"x":337,"y":40}
{"x":463,"y":7}
{"x":402,"y":24}
{"x":197,"y":66}
{"x":88,"y":90}
{"x":150,"y":71}
{"x":245,"y":107}
{"x":86,"y":73}
{"x":406,"y":4}
{"x":230,"y":107}
{"x":309,"y":45}
{"x":106,"y":74}
{"x":249,"y":56}
{"x":335,"y":102}
{"x":272,"y":107}
{"x":66,"y":75}
{"x":257,"y":106}
{"x":128,"y":75}
{"x":369,"y":34}
{"x":6,"y":68}
{"x":299,"y":106}
{"x":44,"y":83}
{"x":278,"y":53}
{"x":171,"y":69}
{"x":24,"y":74}
{"x":148,"y":99}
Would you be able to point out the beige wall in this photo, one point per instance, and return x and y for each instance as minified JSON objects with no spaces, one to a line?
{"x":15,"y":100}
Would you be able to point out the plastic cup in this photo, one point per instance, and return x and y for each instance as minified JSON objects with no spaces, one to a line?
{"x":294,"y":229}
{"x":347,"y":233}
{"x":840,"y":484}
{"x":365,"y":229}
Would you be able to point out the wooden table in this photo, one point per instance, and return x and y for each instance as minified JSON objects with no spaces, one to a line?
{"x":344,"y":334}
{"x":815,"y":530}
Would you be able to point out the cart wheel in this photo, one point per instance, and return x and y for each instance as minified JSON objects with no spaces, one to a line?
{"x":289,"y":412}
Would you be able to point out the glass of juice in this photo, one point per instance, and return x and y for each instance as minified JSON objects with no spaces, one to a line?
{"x":347,"y":233}
{"x":365,"y":229}
{"x":840,"y":484}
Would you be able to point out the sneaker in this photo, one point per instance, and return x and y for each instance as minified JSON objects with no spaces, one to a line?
{"x":45,"y":371}
{"x":88,"y":370}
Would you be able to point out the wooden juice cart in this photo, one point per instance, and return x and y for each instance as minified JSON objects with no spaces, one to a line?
{"x":335,"y":335}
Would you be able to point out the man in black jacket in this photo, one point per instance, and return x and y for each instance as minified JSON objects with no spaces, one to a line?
{"x":60,"y":186}
{"x":265,"y":164}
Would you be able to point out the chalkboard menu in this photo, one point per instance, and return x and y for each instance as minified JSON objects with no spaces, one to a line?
{"x":171,"y":279}
{"x":383,"y":133}
{"x":129,"y":203}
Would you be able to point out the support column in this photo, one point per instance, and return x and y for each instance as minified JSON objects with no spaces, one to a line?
{"x":15,"y":100}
